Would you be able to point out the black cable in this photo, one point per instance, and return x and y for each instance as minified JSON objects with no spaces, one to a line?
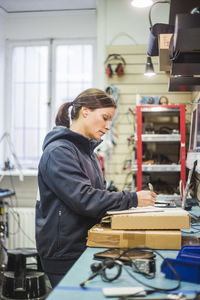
{"x":16,"y":218}
{"x":156,"y":2}
{"x":108,"y":263}
{"x":19,"y":224}
{"x":155,"y":289}
{"x":13,"y":188}
{"x":100,"y":269}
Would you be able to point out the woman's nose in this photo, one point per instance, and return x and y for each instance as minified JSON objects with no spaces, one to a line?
{"x":108,"y":125}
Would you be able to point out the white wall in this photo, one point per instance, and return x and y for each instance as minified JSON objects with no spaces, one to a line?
{"x":123,"y":17}
{"x":76,"y":24}
{"x":119,"y":23}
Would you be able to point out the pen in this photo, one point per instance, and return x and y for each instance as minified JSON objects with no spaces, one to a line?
{"x":150,"y":187}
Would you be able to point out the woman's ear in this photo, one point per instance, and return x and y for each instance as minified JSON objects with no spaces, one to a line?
{"x":84,"y":111}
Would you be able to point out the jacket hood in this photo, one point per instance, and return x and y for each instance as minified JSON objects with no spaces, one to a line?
{"x":61,"y":132}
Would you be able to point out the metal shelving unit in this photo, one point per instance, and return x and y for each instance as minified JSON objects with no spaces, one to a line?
{"x":161,"y":137}
{"x":159,"y":112}
{"x":158,"y":168}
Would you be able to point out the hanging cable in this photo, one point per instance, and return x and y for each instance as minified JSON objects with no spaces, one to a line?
{"x":113,"y":92}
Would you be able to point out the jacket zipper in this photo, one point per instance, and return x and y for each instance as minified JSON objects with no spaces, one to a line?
{"x":59,"y":220}
{"x":96,"y":166}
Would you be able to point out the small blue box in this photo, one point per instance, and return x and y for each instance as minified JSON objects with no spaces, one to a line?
{"x":187,"y":265}
{"x":187,"y":270}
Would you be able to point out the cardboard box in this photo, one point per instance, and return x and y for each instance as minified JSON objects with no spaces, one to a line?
{"x":155,"y":239}
{"x":164,"y":61}
{"x":168,"y":218}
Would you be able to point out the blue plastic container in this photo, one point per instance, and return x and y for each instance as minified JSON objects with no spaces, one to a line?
{"x":187,"y":265}
{"x":189,"y":252}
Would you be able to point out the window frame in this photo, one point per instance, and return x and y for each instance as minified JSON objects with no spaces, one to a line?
{"x":51,"y":89}
{"x":59,"y":42}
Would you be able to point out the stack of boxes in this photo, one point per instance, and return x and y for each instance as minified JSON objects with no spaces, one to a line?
{"x":156,"y":229}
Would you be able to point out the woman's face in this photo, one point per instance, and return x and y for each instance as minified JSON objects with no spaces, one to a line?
{"x":97,"y":122}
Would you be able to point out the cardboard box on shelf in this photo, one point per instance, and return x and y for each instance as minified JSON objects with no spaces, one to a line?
{"x":156,"y":239}
{"x":164,"y":61}
{"x":168,"y":218}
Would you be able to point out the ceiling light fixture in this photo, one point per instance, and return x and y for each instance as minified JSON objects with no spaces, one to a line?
{"x":141,"y":3}
{"x":149,"y":69}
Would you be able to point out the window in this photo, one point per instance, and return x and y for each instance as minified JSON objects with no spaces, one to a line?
{"x":73,"y":71}
{"x":40,"y":83}
{"x":29,"y":98}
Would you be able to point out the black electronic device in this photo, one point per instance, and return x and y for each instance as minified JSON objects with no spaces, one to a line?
{"x":140,"y":260}
{"x":181,"y":7}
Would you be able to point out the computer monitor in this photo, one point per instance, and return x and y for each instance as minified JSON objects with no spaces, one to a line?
{"x":193,"y":152}
{"x":193,"y":130}
{"x":198,"y":128}
{"x":194,"y":142}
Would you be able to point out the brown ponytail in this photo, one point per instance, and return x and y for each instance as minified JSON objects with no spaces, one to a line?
{"x":62,"y":117}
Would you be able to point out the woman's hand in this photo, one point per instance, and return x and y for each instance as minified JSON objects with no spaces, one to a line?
{"x":146,"y":198}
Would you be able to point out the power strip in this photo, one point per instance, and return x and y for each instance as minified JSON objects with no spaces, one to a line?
{"x":123,"y":291}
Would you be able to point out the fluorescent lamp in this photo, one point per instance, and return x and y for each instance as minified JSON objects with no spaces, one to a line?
{"x":141,"y":3}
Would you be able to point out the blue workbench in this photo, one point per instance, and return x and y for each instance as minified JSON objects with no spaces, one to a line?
{"x":69,"y":287}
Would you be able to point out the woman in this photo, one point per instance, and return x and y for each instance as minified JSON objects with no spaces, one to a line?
{"x":73,"y":195}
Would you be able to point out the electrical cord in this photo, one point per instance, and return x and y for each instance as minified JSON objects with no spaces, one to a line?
{"x":155,"y":289}
{"x":113,"y":92}
{"x":14,"y":190}
{"x":19,"y":225}
{"x":133,"y":264}
{"x":16,"y":217}
{"x":109,"y":263}
{"x":101,"y":269}
{"x":156,"y":2}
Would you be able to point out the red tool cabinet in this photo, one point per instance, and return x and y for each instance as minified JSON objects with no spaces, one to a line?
{"x":170,"y":118}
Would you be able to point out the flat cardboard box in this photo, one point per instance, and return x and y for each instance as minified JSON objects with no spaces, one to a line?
{"x":169,"y":218}
{"x":156,"y":239}
{"x":164,"y":61}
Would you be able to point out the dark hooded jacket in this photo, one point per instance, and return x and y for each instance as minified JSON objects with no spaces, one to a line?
{"x":73,"y":197}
